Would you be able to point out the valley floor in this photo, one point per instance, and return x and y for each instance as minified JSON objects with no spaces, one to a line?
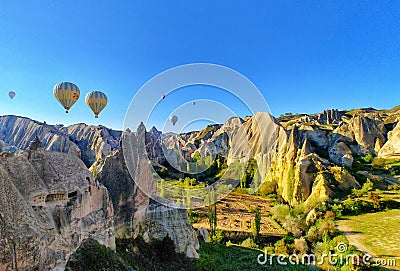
{"x":377,"y":234}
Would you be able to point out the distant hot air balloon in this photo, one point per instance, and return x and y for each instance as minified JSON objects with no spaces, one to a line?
{"x":67,"y":94}
{"x":173,"y":119}
{"x":11,"y":94}
{"x":96,"y":100}
{"x":163,"y":96}
{"x":193,"y":103}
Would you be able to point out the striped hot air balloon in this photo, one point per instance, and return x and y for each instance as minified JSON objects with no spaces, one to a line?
{"x":96,"y":101}
{"x":67,"y":94}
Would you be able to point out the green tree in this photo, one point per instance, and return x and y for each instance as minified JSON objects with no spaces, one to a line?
{"x":256,"y":224}
{"x":188,"y":199}
{"x":212,"y":218}
{"x":162,"y":188}
{"x":211,"y":201}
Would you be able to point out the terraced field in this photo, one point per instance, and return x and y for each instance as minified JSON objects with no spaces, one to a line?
{"x":234,"y":213}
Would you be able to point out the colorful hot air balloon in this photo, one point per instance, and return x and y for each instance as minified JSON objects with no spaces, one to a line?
{"x":173,"y":119}
{"x":96,"y":100}
{"x":67,"y":94}
{"x":11,"y":94}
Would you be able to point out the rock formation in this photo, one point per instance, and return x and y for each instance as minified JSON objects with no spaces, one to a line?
{"x":170,"y":220}
{"x":128,"y":176}
{"x":391,"y":149}
{"x":49,"y":203}
{"x":94,"y":142}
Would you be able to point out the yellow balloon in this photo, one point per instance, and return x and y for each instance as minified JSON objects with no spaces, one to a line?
{"x":67,"y":94}
{"x":96,"y":100}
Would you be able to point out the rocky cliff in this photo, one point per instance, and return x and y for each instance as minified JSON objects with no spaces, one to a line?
{"x":90,"y":143}
{"x":128,"y":176}
{"x":49,"y":205}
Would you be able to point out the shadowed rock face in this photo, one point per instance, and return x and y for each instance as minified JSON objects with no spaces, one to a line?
{"x":48,"y":205}
{"x":87,"y":142}
{"x":138,"y":210}
{"x":130,"y":201}
{"x":167,"y":220}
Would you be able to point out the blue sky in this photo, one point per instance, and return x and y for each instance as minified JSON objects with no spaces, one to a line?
{"x":304,"y":56}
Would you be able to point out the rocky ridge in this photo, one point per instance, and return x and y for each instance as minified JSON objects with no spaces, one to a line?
{"x":90,"y":143}
{"x":304,"y":157}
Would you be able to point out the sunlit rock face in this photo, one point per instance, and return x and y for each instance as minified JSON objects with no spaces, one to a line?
{"x":90,"y":143}
{"x":49,"y":203}
{"x":360,"y":133}
{"x":391,"y":149}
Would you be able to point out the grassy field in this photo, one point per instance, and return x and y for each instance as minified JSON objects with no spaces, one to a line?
{"x":375,"y":233}
{"x":214,"y":257}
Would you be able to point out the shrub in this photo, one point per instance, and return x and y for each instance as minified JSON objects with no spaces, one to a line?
{"x":337,"y":209}
{"x":300,"y":246}
{"x":294,"y":225}
{"x":356,"y":207}
{"x":330,"y":215}
{"x":281,"y":248}
{"x":218,"y":236}
{"x":154,"y":256}
{"x":93,"y":256}
{"x":280,"y":212}
{"x":312,"y":234}
{"x":368,"y":186}
{"x":368,"y":158}
{"x":394,"y":187}
{"x":326,"y":226}
{"x":249,"y":243}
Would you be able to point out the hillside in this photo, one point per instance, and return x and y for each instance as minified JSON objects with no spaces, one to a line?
{"x":302,"y":157}
{"x":296,"y":173}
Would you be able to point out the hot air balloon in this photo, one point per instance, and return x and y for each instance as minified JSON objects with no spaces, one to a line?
{"x":173,"y":119}
{"x":67,"y":94}
{"x":96,"y":100}
{"x":11,"y":94}
{"x":163,"y":96}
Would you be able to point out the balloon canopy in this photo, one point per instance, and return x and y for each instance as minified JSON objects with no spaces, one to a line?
{"x":96,"y":101}
{"x":173,"y":119}
{"x":11,"y":94}
{"x":67,"y":94}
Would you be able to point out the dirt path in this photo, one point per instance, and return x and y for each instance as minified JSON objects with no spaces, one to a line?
{"x":353,"y":237}
{"x":354,"y":240}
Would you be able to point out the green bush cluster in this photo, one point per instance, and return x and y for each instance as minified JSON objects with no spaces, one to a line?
{"x":367,"y":187}
{"x":131,"y":254}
